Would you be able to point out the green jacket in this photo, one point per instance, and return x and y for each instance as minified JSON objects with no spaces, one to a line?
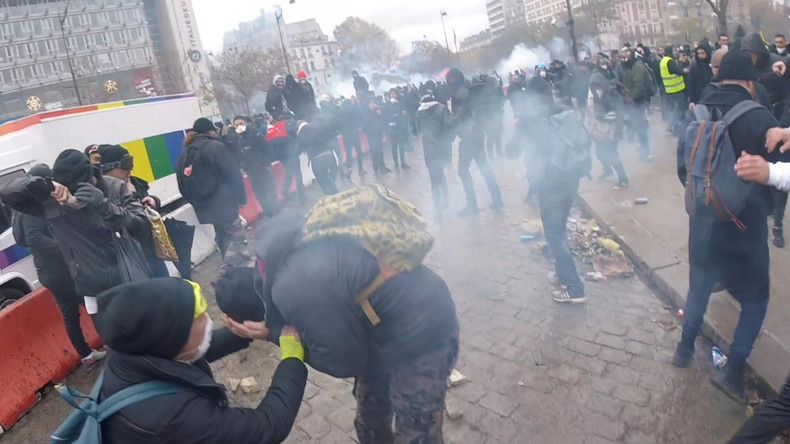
{"x":636,"y":81}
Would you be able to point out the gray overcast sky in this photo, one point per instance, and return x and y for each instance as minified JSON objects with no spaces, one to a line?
{"x":405,"y":20}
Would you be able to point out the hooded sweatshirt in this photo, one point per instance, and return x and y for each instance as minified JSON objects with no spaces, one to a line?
{"x":700,"y":74}
{"x":778,"y":87}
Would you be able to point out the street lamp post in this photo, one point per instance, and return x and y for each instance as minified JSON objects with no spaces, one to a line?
{"x":572,"y":32}
{"x":280,"y":31}
{"x":442,"y":13}
{"x":62,"y":19}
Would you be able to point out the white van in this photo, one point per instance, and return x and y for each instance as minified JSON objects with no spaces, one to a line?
{"x":152,"y":129}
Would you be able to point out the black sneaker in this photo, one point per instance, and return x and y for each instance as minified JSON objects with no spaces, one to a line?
{"x":564,"y":297}
{"x":683,"y":356}
{"x":469,"y":211}
{"x":779,"y":238}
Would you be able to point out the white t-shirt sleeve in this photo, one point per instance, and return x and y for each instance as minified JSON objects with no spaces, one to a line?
{"x":779,"y":175}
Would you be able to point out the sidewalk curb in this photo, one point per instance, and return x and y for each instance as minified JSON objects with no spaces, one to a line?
{"x":667,"y":291}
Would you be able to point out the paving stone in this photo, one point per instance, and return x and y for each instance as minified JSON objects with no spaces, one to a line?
{"x":611,"y":341}
{"x":642,"y":336}
{"x":614,"y":356}
{"x":315,"y":426}
{"x":631,"y":394}
{"x":602,"y":426}
{"x":622,"y":374}
{"x":499,"y":404}
{"x":583,"y":347}
{"x":567,"y":374}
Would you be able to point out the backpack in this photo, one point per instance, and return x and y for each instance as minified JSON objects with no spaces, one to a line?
{"x":710,"y":166}
{"x":572,"y":148}
{"x":652,"y":84}
{"x":83,"y":425}
{"x":193,"y":183}
{"x":390,"y":228}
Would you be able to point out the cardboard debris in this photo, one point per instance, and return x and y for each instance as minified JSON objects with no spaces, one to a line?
{"x":234,"y":384}
{"x":666,"y":325}
{"x":249,"y":385}
{"x":613,"y":265}
{"x":456,"y":378}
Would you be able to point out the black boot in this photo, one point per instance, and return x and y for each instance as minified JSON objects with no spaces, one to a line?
{"x":779,"y":238}
{"x":683,"y":355}
{"x":730,"y":381}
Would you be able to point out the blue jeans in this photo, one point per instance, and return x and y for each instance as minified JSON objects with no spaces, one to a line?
{"x":555,"y":202}
{"x":701,"y":283}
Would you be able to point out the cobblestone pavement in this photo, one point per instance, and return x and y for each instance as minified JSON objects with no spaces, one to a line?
{"x":604,"y":373}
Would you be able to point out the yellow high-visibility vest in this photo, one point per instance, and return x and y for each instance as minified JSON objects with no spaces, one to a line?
{"x":673,"y":83}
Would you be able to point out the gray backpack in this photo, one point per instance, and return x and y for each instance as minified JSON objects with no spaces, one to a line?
{"x":714,"y":192}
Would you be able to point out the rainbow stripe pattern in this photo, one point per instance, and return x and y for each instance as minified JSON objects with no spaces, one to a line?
{"x":12,"y":255}
{"x":155,"y":157}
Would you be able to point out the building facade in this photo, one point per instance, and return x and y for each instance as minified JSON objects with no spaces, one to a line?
{"x":477,"y":41}
{"x":102,"y":46}
{"x":504,"y":13}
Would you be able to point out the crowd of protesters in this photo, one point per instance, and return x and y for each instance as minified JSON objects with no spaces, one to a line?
{"x":88,"y":223}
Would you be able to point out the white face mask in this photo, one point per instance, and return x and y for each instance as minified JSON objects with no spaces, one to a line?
{"x":604,"y":66}
{"x":780,"y":50}
{"x":208,"y":333}
{"x":393,"y":100}
{"x":543,"y":74}
{"x":241,"y":128}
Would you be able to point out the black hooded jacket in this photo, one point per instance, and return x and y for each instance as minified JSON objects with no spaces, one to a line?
{"x":467,"y":102}
{"x":778,"y":87}
{"x":312,"y":286}
{"x":300,"y":98}
{"x":214,"y":167}
{"x":700,"y":73}
{"x":199,"y":413}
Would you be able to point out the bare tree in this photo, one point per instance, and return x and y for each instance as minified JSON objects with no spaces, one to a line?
{"x":172,"y":73}
{"x":245,"y":71}
{"x":719,"y":8}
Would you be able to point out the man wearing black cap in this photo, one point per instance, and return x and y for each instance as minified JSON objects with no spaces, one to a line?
{"x":85,"y":210}
{"x":210,"y":180}
{"x":53,"y":272}
{"x":115,"y":161}
{"x":723,"y":253}
{"x":160,"y":330}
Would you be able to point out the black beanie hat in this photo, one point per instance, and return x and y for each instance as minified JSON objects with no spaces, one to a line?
{"x":152,"y":317}
{"x":236,"y":295}
{"x":737,"y":65}
{"x":203,"y":126}
{"x":40,"y":170}
{"x":72,"y":167}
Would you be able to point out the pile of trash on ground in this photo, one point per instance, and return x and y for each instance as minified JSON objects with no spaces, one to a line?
{"x":587,"y":242}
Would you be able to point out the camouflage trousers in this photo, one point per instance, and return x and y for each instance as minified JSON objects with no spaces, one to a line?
{"x":232,"y":242}
{"x":413,"y":393}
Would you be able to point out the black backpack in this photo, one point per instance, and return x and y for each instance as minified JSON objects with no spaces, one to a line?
{"x":196,"y":179}
{"x":714,"y":192}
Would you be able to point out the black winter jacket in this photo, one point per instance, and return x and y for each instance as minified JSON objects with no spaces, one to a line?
{"x":699,"y":77}
{"x":85,"y":235}
{"x":201,"y":412}
{"x":256,"y":154}
{"x":35,"y":233}
{"x":300,"y":98}
{"x":313,"y":289}
{"x":437,"y":125}
{"x":222,"y":186}
{"x":319,"y":135}
{"x":778,"y":87}
{"x":275,"y":101}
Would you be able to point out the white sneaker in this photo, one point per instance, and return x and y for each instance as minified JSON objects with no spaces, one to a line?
{"x":94,"y":357}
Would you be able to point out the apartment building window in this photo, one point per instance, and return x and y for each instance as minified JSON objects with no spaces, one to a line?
{"x":5,"y":30}
{"x":32,"y":49}
{"x":36,"y":71}
{"x":25,"y":27}
{"x":17,"y":75}
{"x":58,"y":66}
{"x":125,"y":36}
{"x":112,"y":17}
{"x":11,"y":52}
{"x":102,"y":18}
{"x":131,"y":16}
{"x":3,"y":76}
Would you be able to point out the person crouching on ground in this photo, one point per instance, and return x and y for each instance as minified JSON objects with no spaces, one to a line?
{"x":160,"y":330}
